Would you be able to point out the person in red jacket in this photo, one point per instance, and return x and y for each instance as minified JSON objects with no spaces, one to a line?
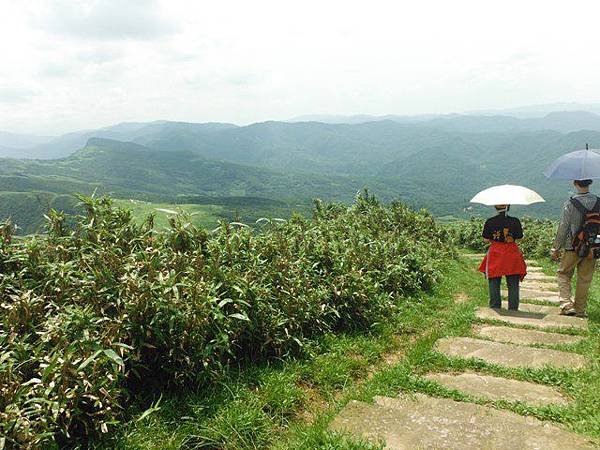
{"x":503,"y":258}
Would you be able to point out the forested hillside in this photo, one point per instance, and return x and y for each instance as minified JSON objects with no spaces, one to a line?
{"x":431,"y":164}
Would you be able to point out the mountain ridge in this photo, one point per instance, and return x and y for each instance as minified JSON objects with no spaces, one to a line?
{"x":212,"y":137}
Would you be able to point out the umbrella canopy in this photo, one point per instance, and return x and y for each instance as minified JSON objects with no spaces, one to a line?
{"x":507,"y":194}
{"x":577,"y":165}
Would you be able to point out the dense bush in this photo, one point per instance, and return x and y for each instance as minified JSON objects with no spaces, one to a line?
{"x":93,"y":313}
{"x":538,"y":236}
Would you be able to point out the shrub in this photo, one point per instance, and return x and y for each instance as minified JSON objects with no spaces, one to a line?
{"x":95,"y":312}
{"x":538,"y":236}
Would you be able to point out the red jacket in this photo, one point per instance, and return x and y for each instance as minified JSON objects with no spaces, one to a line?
{"x":503,"y":258}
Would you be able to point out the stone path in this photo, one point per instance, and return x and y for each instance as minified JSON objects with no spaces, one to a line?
{"x":537,"y":308}
{"x":541,"y":278}
{"x":414,"y":421}
{"x":539,"y":320}
{"x":508,"y":355}
{"x":494,"y":388}
{"x":525,"y":337}
{"x":422,"y":422}
{"x":537,"y":285}
{"x":538,"y":294}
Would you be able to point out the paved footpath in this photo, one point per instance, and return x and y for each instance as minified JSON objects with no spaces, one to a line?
{"x":523,"y":339}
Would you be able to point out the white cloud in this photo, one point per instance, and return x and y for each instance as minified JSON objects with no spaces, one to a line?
{"x":105,"y":19}
{"x":82,"y":64}
{"x":15,"y":94}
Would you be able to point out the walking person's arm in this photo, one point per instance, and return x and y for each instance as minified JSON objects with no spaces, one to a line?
{"x":563,"y":230}
{"x":518,"y":231}
{"x":486,"y":234}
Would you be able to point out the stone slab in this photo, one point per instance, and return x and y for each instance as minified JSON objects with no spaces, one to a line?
{"x":535,"y":319}
{"x":508,"y":355}
{"x":538,"y":294}
{"x":534,"y":269}
{"x":540,"y":277}
{"x":542,"y":309}
{"x":495,"y":388}
{"x":525,"y":337}
{"x":475,"y":255}
{"x":539,"y":286}
{"x":530,"y":294}
{"x":422,"y":422}
{"x":533,"y":308}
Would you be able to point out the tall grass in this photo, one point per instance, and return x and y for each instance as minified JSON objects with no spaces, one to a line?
{"x":106,"y":309}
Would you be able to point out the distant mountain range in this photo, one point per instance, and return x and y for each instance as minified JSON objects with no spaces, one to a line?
{"x":168,"y":135}
{"x":523,"y":112}
{"x":540,"y":110}
{"x":563,"y":121}
{"x":64,"y":145}
{"x":436,"y":162}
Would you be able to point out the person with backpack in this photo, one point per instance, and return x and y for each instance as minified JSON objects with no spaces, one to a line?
{"x":503,"y":258}
{"x":578,"y":235}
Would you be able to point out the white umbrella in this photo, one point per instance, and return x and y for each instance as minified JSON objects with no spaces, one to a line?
{"x":507,"y":194}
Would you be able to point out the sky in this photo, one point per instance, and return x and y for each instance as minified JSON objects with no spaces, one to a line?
{"x":68,"y":65}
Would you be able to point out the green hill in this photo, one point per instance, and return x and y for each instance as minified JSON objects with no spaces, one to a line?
{"x":128,"y":168}
{"x":293,"y":163}
{"x":27,"y":209}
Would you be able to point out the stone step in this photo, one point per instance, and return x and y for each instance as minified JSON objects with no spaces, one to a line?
{"x":495,"y":388}
{"x":535,"y":319}
{"x":538,"y":294}
{"x":508,"y":355}
{"x":530,"y":294}
{"x":524,"y":337}
{"x":541,"y":309}
{"x":539,"y":286}
{"x":534,"y":269}
{"x":475,"y":255}
{"x":422,"y":422}
{"x":540,"y":277}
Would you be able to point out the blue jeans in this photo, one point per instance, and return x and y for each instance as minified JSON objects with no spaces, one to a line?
{"x":512,"y":281}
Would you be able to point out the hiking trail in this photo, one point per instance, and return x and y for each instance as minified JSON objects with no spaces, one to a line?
{"x":525,"y":339}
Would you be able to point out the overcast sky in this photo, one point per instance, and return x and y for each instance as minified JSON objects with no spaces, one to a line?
{"x":70,"y":65}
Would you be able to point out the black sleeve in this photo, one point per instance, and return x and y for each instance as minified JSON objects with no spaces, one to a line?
{"x":487,"y":232}
{"x":518,"y":230}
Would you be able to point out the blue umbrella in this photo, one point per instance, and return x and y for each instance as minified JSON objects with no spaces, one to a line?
{"x":577,"y":165}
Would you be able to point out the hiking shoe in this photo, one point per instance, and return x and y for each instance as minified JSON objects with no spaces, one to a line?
{"x":568,"y":312}
{"x":581,"y":315}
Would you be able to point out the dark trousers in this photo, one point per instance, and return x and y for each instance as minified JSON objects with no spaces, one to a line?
{"x":512,"y":281}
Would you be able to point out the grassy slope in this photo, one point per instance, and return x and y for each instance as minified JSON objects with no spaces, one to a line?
{"x":289,"y":406}
{"x":209,"y":213}
{"x":27,"y":209}
{"x":206,"y":216}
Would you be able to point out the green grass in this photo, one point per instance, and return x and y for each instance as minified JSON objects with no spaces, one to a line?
{"x":206,"y":216}
{"x":581,"y":415}
{"x":206,"y":212}
{"x":290,"y":405}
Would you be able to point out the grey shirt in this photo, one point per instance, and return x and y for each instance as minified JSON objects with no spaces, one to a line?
{"x":571,"y":220}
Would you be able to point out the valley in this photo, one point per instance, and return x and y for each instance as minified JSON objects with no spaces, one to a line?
{"x":436,"y":164}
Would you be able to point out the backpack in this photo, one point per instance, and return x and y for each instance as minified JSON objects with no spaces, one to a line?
{"x":586,"y":241}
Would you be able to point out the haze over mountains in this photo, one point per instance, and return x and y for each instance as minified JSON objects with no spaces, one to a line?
{"x":436,"y":162}
{"x":170,"y":134}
